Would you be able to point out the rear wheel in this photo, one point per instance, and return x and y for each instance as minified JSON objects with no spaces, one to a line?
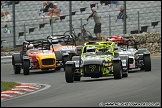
{"x":117,"y":70}
{"x":16,"y":59}
{"x":147,"y":63}
{"x":65,"y":59}
{"x":69,"y":73}
{"x":17,"y":69}
{"x":26,"y":65}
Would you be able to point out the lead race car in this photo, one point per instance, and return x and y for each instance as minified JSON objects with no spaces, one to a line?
{"x":35,"y":54}
{"x":95,"y":61}
{"x":138,"y":58}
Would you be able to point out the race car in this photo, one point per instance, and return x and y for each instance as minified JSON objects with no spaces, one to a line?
{"x":138,"y":58}
{"x":64,"y":48}
{"x":95,"y":61}
{"x":35,"y":54}
{"x":120,"y":39}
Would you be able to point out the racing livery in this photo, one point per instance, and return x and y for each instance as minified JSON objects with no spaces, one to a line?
{"x":95,"y":61}
{"x":138,"y":58}
{"x":63,"y":48}
{"x":35,"y":54}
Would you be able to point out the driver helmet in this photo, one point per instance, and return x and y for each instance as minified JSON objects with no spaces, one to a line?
{"x":91,"y":49}
{"x":30,"y":46}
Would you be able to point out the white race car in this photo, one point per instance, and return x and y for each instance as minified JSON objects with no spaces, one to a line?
{"x":137,"y":58}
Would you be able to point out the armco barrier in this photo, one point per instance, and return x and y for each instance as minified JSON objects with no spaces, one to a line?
{"x":6,"y":59}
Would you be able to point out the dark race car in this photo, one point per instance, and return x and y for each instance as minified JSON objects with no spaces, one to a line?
{"x":64,"y":48}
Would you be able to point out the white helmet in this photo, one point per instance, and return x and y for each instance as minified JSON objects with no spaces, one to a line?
{"x":30,"y":46}
{"x":91,"y":49}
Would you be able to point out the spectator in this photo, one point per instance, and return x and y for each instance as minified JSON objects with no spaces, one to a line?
{"x":49,"y":5}
{"x":56,"y":10}
{"x":54,"y":13}
{"x":121,"y":14}
{"x":7,"y":30}
{"x":97,"y":20}
{"x":44,"y":9}
{"x":2,"y":14}
{"x":7,"y":17}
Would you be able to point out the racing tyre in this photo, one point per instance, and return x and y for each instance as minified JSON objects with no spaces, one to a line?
{"x":17,"y":69}
{"x":147,"y":63}
{"x":117,"y":70}
{"x":69,"y":73}
{"x":16,"y":59}
{"x":26,"y":65}
{"x":65,"y":59}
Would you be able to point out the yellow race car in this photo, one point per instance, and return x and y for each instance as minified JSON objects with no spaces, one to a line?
{"x":35,"y":54}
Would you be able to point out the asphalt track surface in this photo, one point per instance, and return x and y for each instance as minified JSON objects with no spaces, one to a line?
{"x":139,"y":87}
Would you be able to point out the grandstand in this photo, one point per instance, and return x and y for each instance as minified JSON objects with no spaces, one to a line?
{"x":29,"y":25}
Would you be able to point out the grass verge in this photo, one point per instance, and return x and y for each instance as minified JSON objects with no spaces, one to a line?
{"x":7,"y":85}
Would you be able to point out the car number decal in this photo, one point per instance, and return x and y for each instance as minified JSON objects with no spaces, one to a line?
{"x":92,"y":67}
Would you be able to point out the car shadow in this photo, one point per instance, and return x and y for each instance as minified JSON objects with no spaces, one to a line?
{"x":135,"y":71}
{"x":35,"y":72}
{"x":96,"y":79}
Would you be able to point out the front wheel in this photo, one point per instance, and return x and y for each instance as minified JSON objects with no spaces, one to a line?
{"x":117,"y":70}
{"x":26,"y":66}
{"x":69,"y":73}
{"x":147,"y":63}
{"x":65,"y":59}
{"x":17,"y":69}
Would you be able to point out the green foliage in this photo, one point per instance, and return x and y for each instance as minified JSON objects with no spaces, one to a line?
{"x":7,"y":85}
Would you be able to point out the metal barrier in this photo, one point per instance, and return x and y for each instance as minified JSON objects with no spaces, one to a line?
{"x":6,"y":59}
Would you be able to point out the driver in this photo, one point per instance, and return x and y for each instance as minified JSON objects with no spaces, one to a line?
{"x":30,"y":46}
{"x":91,"y":50}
